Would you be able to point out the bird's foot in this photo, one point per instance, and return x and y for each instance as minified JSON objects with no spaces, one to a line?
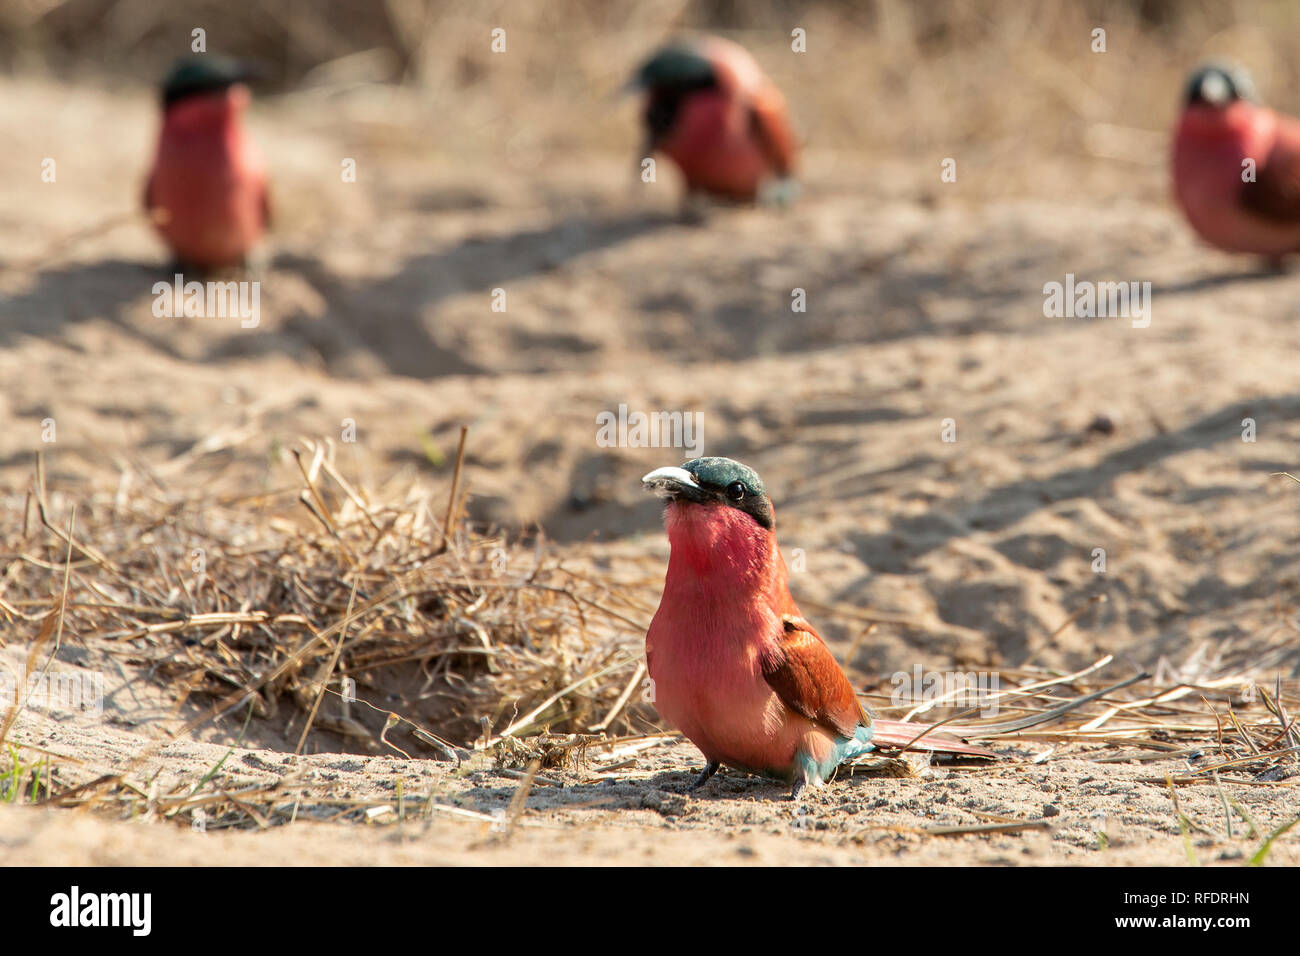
{"x":695,"y":209}
{"x":255,"y":262}
{"x":704,"y":777}
{"x":796,"y":794}
{"x":778,"y":192}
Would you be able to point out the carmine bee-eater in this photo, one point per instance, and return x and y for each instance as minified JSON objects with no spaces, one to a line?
{"x":1236,"y":165}
{"x":207,"y":191}
{"x":734,"y":665}
{"x":710,"y":109}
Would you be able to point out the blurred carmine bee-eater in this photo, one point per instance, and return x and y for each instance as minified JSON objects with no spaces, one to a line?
{"x":1237,"y":165}
{"x":207,"y":191}
{"x":734,"y":664}
{"x":710,"y":109}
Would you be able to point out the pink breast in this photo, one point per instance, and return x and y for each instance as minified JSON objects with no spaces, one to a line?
{"x":208,"y":178}
{"x":709,"y":685}
{"x":714,"y":145}
{"x":1210,"y":148}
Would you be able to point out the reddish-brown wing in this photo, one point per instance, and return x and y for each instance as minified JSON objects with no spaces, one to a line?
{"x":266,"y":203}
{"x":738,"y":75}
{"x":1275,"y":194}
{"x":772,"y":127}
{"x":805,"y":676}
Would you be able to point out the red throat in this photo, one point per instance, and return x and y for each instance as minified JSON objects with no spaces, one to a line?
{"x":721,"y":543}
{"x":1242,"y":124}
{"x":212,"y":111}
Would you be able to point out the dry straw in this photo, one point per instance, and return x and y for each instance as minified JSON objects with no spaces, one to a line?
{"x":277,"y":597}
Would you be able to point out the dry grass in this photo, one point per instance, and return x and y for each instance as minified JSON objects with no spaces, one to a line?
{"x":1011,"y":90}
{"x":277,"y":597}
{"x":1220,"y":721}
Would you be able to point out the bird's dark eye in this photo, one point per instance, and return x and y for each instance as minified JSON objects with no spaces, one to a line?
{"x":736,"y":490}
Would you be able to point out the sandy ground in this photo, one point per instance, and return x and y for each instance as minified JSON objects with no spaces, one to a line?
{"x":924,"y":303}
{"x":433,"y":812}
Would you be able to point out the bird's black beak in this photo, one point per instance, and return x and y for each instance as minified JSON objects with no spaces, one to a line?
{"x":674,"y":483}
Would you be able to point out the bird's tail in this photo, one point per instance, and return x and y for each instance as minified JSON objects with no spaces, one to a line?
{"x":896,"y":734}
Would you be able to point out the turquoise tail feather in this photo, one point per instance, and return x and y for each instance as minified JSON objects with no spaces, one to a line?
{"x":845,"y":749}
{"x":859,"y":745}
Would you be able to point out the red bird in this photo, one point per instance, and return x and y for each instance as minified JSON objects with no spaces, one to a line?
{"x":710,"y":109}
{"x":1236,"y":166}
{"x":207,"y":191}
{"x":733,"y":663}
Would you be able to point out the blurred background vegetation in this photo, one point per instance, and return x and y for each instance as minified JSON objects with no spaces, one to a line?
{"x":878,"y":75}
